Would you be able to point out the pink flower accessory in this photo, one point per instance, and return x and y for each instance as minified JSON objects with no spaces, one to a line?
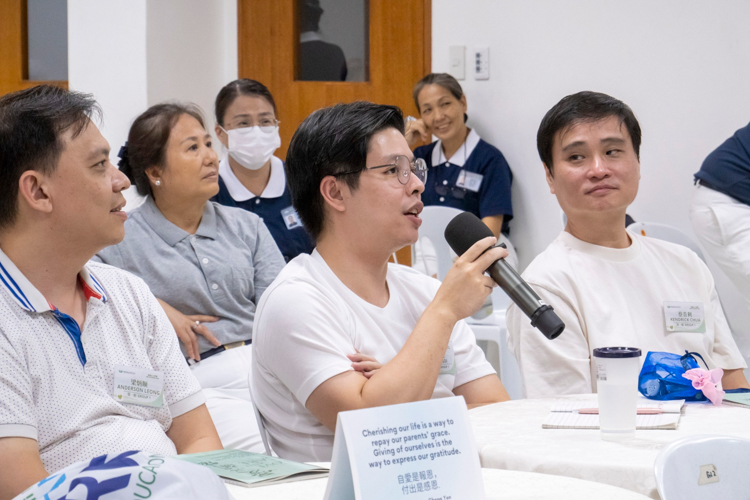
{"x":706,"y":381}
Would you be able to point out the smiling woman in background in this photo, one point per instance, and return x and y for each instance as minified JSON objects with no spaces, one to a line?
{"x":465,"y":172}
{"x":206,"y":263}
{"x":251,"y":177}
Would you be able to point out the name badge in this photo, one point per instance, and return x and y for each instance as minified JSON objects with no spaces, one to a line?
{"x":449,"y":361}
{"x":291,"y":219}
{"x":685,"y":317}
{"x":139,"y":386}
{"x":469,"y":180}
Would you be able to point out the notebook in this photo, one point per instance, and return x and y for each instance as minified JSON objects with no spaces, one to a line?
{"x":253,"y":469}
{"x":564,"y":415}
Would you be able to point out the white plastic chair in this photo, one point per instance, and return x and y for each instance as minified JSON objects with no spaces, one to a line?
{"x":259,"y":418}
{"x":434,"y":221}
{"x":666,"y":233}
{"x":683,"y":468}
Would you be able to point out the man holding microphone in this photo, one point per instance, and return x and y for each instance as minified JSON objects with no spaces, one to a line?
{"x":357,"y":187}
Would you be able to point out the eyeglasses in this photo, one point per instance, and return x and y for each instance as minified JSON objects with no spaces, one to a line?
{"x":266,"y":125}
{"x":401,"y":167}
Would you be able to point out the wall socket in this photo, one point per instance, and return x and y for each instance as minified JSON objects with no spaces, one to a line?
{"x":481,"y":63}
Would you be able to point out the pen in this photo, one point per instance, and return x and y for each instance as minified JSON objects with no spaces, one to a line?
{"x":641,"y":411}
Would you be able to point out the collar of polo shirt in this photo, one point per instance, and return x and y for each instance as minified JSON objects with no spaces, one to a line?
{"x":29,"y":298}
{"x":238,"y":192}
{"x":461,"y":154}
{"x":169,"y":232}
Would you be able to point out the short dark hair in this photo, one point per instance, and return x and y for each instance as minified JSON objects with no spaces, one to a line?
{"x":309,"y":15}
{"x":582,"y":107}
{"x":331,"y":141}
{"x":148,"y":138}
{"x":232,"y":90}
{"x":32,"y":123}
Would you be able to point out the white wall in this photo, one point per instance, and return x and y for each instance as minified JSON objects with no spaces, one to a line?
{"x":681,"y":65}
{"x":134,"y":53}
{"x":192,"y":44}
{"x":107,"y":58}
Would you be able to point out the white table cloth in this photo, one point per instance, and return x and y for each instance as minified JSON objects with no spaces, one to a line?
{"x":497,"y":484}
{"x":510,"y":436}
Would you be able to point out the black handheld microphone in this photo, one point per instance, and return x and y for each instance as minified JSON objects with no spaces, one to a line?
{"x":466,"y":229}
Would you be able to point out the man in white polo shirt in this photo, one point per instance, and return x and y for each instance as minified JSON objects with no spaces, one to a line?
{"x":89,"y":363}
{"x":357,"y":187}
{"x":610,"y":286}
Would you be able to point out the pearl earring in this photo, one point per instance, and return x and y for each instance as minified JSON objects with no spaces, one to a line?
{"x":158,"y":183}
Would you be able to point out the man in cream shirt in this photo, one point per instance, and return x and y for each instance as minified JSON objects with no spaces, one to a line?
{"x":610,"y":286}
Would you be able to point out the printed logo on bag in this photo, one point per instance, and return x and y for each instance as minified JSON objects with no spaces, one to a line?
{"x":94,"y":483}
{"x":132,"y":475}
{"x":684,"y":317}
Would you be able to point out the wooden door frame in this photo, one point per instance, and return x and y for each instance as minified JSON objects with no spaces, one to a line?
{"x":268,"y":28}
{"x":243,"y":56}
{"x":14,"y":49}
{"x":261,"y":37}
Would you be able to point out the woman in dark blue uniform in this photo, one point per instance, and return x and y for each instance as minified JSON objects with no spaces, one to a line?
{"x":465,"y":172}
{"x":250,"y":177}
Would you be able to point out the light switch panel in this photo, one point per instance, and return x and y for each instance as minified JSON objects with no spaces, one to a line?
{"x":457,"y":61}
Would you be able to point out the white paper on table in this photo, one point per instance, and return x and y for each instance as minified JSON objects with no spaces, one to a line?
{"x":567,"y":405}
{"x":572,"y":420}
{"x":429,"y":459}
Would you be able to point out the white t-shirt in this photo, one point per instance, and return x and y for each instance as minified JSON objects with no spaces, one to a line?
{"x":306,"y":324}
{"x":614,"y":297}
{"x":57,"y":382}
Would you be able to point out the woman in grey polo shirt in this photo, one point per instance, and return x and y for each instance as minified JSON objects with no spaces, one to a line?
{"x":208,"y":264}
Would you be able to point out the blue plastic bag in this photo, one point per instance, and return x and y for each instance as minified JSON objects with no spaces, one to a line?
{"x":661,"y":376}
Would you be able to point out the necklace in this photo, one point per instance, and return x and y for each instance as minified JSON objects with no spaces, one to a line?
{"x":443,"y":190}
{"x":441,"y":154}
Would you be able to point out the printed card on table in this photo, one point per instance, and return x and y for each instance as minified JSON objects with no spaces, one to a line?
{"x":413,"y":451}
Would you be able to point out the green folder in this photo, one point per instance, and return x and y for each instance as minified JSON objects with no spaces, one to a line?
{"x":253,"y":469}
{"x":739,"y":399}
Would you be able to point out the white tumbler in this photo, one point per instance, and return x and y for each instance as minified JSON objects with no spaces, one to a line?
{"x":617,"y":371}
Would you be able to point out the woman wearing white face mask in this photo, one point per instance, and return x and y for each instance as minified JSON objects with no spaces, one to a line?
{"x":250,"y":176}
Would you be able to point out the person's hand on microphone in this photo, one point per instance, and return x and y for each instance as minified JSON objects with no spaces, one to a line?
{"x":466,"y":286}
